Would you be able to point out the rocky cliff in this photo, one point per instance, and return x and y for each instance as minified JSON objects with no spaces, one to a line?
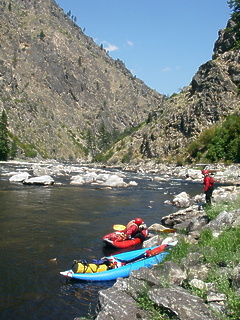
{"x":58,"y":87}
{"x":212,"y":95}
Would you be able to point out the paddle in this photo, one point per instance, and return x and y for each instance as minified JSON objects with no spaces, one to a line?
{"x":167,"y":230}
{"x":120,"y":227}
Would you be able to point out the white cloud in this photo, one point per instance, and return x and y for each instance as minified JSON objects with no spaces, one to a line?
{"x":130,"y":43}
{"x":109,"y":47}
{"x":167,"y":69}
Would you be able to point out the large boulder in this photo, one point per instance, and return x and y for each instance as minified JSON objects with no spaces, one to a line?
{"x":197,"y":223}
{"x":223,"y":220}
{"x":116,"y":304}
{"x":101,"y":179}
{"x":114,"y":181}
{"x":182,"y":200}
{"x":181,"y":303}
{"x":19,"y":177}
{"x":180,"y":216}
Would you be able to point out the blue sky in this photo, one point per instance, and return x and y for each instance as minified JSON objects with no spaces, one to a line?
{"x":162,"y":42}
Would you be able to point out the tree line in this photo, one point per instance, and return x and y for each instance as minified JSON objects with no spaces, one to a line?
{"x":4,"y":141}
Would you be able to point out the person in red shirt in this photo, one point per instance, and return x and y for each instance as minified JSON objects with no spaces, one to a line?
{"x":208,"y":182}
{"x":135,"y":228}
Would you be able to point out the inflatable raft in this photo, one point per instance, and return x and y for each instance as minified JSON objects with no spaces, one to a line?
{"x":120,"y":244}
{"x":122,"y":264}
{"x":116,"y":239}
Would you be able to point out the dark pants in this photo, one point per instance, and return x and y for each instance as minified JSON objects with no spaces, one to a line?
{"x":140,"y":236}
{"x":208,"y":194}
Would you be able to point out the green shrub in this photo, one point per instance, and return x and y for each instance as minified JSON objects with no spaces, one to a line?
{"x":225,"y":144}
{"x":206,"y":237}
{"x":180,"y":161}
{"x":198,"y":146}
{"x":30,"y":153}
{"x":126,"y":158}
{"x":224,"y":248}
{"x":178,"y":252}
{"x":220,"y":143}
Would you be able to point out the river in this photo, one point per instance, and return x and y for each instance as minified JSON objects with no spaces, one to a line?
{"x":66,"y":222}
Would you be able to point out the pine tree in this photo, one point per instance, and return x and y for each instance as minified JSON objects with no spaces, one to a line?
{"x":234,"y":5}
{"x":4,"y":142}
{"x":104,"y":137}
{"x":13,"y":149}
{"x":42,"y":35}
{"x":91,"y":143}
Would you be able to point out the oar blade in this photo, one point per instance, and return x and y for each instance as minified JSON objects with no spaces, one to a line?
{"x":119,"y":227}
{"x":167,"y":230}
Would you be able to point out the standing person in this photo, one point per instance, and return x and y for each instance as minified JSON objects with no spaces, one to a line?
{"x":135,"y":228}
{"x":208,"y":186}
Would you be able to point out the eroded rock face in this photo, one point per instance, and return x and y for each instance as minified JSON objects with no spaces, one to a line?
{"x":57,"y":83}
{"x":226,"y":39}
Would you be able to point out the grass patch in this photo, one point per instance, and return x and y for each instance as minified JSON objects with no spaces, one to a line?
{"x":213,"y":211}
{"x":223,"y":250}
{"x":178,"y":252}
{"x":155,"y":312}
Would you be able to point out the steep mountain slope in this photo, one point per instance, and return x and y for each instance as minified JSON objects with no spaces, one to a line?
{"x":58,"y":87}
{"x":212,"y":95}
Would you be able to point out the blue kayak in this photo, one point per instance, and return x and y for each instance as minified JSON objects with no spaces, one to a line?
{"x":132,"y":260}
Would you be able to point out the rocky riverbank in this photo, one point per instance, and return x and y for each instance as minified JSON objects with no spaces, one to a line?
{"x":229,"y":174}
{"x":84,"y":173}
{"x":165,"y":286}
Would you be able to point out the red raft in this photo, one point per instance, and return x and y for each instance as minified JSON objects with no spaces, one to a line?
{"x":117,"y":240}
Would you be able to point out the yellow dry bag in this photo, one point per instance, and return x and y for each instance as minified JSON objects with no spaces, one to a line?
{"x":79,"y":267}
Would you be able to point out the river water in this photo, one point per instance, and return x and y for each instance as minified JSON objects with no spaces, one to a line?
{"x":63,"y":221}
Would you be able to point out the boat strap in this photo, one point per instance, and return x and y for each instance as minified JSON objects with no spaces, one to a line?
{"x":141,"y":256}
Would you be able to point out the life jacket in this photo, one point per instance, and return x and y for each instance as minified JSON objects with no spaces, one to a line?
{"x":129,"y":227}
{"x":130,"y":224}
{"x":211,"y":181}
{"x":208,"y":182}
